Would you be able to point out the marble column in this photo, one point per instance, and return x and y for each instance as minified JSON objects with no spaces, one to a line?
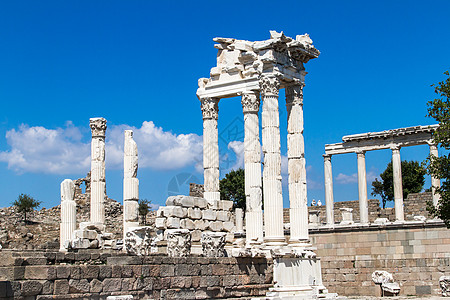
{"x":435,"y":182}
{"x":298,"y":210}
{"x":68,"y":212}
{"x":329,"y":198}
{"x":98,"y":183}
{"x":362,"y":188}
{"x":273,"y":198}
{"x":130,"y":183}
{"x":398,"y":185}
{"x":252,"y":166}
{"x":210,"y":110}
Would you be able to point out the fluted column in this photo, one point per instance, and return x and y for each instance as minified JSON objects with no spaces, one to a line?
{"x":298,"y":210}
{"x":435,"y":182}
{"x":68,"y":212}
{"x":273,"y":198}
{"x":210,"y":110}
{"x":362,"y":188}
{"x":98,"y":184}
{"x":130,"y":183}
{"x":252,"y":166}
{"x":398,"y":186}
{"x":329,"y":198}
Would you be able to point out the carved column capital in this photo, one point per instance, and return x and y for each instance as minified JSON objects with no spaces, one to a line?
{"x":269,"y":85}
{"x":360,"y":153}
{"x":395,"y":148}
{"x":98,"y":127}
{"x":294,"y":94}
{"x":210,"y":108}
{"x":327,"y":157}
{"x":250,"y":102}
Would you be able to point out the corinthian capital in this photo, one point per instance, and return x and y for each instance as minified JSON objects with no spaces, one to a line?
{"x":250,"y":102}
{"x":98,"y":127}
{"x":269,"y":85}
{"x":294,"y":94}
{"x":210,"y":108}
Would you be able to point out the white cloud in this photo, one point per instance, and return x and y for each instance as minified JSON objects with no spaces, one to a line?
{"x":61,"y":151}
{"x":238,"y":148}
{"x":353,"y":178}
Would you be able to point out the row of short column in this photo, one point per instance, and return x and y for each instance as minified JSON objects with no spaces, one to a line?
{"x":362,"y":185}
{"x":273,"y":199}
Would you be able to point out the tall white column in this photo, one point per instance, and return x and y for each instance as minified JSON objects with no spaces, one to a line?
{"x":398,"y":186}
{"x":362,"y":188}
{"x":210,"y":110}
{"x":273,"y":198}
{"x":329,"y":198}
{"x":98,"y":184}
{"x":252,"y":160}
{"x":68,"y":212}
{"x":298,"y":210}
{"x":435,"y":182}
{"x":130,"y":183}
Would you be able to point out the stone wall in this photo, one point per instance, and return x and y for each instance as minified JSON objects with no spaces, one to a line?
{"x":417,"y":254}
{"x":155,"y":277}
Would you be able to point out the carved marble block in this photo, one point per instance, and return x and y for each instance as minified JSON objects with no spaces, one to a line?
{"x":213,"y":244}
{"x":178,"y":242}
{"x":138,"y":240}
{"x":444,"y":283}
{"x":347,"y":216}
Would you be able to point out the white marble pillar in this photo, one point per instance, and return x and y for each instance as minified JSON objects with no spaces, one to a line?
{"x":362,"y":188}
{"x":398,"y":185}
{"x":210,"y":110}
{"x":435,"y":182}
{"x":98,"y":184}
{"x":329,"y":198}
{"x":298,"y":210}
{"x":273,"y":198}
{"x":68,"y":212}
{"x":130,"y":183}
{"x":239,"y":214}
{"x":252,"y":166}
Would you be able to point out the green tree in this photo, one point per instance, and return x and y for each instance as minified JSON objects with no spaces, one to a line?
{"x":25,"y":204}
{"x":232,"y":187}
{"x":144,"y":207}
{"x":439,"y":167}
{"x":413,"y":179}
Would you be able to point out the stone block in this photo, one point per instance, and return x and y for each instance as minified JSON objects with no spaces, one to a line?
{"x":194,"y":213}
{"x":122,"y":297}
{"x":173,"y":222}
{"x":31,"y":288}
{"x":209,"y":214}
{"x":228,"y":226}
{"x":85,"y":234}
{"x":187,"y":201}
{"x":80,"y":243}
{"x":77,"y":286}
{"x":225,"y":205}
{"x":187,"y":224}
{"x":200,"y":202}
{"x":112,"y":284}
{"x":175,"y":211}
{"x":216,"y":226}
{"x":223,"y":215}
{"x":40,"y":272}
{"x":200,"y":224}
{"x":95,"y":286}
{"x":61,"y":287}
{"x":99,"y":227}
{"x":160,"y":223}
{"x":160,"y":212}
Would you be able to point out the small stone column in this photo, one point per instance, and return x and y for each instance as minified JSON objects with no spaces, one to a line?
{"x":273,"y":198}
{"x":210,"y":110}
{"x":130,"y":183}
{"x":98,"y":183}
{"x":435,"y":182}
{"x":298,"y":210}
{"x":329,"y":199}
{"x":68,"y":213}
{"x":252,"y":160}
{"x":362,"y":187}
{"x":398,"y":185}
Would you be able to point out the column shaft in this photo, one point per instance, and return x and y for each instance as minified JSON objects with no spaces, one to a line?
{"x":398,"y":186}
{"x":98,"y":183}
{"x":296,"y":165}
{"x":273,"y":198}
{"x":210,"y":112}
{"x":68,"y":212}
{"x":130,"y":183}
{"x":329,"y":198}
{"x":252,"y":166}
{"x":435,"y":182}
{"x":362,"y":187}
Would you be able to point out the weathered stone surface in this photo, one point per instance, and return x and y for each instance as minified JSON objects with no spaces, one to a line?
{"x":216,"y":226}
{"x":85,"y":234}
{"x":200,"y":202}
{"x":31,"y":288}
{"x":209,"y":214}
{"x":175,"y":211}
{"x":187,"y":224}
{"x":194,"y":213}
{"x":173,"y":223}
{"x":80,"y":243}
{"x":444,"y":283}
{"x":200,"y":224}
{"x":138,"y":241}
{"x":380,"y":277}
{"x":178,"y":242}
{"x":78,"y":286}
{"x":213,"y":244}
{"x":160,"y":223}
{"x":223,"y":216}
{"x":95,"y":286}
{"x":112,"y":284}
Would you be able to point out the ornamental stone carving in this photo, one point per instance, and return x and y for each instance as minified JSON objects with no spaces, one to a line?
{"x":444,"y":283}
{"x":250,"y":102}
{"x":210,"y":108}
{"x":178,"y":242}
{"x":379,"y":277}
{"x":138,"y":240}
{"x":269,"y":85}
{"x":213,"y":244}
{"x":98,"y":127}
{"x":294,"y":94}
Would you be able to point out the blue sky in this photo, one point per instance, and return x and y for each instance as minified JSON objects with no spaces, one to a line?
{"x":137,"y":63}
